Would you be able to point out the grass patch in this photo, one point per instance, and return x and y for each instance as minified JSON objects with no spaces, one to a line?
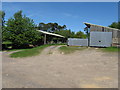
{"x":7,"y":42}
{"x":9,"y":50}
{"x":111,"y":49}
{"x":70,"y":49}
{"x":29,"y":52}
{"x":32,"y":48}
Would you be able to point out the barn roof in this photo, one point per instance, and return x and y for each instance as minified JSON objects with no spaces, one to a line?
{"x":50,"y":33}
{"x":89,"y":24}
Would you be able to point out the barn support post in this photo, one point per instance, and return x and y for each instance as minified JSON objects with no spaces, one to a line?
{"x":44,"y":39}
{"x":88,"y":35}
{"x":88,"y":38}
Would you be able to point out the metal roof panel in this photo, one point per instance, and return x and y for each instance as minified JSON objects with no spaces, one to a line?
{"x":50,"y":33}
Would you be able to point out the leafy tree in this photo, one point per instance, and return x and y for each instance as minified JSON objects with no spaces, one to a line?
{"x":2,"y":26}
{"x":80,"y":34}
{"x":54,"y":28}
{"x":51,"y":27}
{"x":21,"y":31}
{"x":2,"y":17}
{"x":115,"y":25}
{"x":66,"y":33}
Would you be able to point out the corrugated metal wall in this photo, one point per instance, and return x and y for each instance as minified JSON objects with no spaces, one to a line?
{"x":94,"y":28}
{"x":77,"y":42}
{"x":101,"y":39}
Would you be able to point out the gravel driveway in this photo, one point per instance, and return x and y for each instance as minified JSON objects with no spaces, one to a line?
{"x":89,"y":68}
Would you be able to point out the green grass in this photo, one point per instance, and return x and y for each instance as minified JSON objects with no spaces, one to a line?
{"x":111,"y":49}
{"x":29,"y":52}
{"x":70,"y":49}
{"x":9,"y":50}
{"x":30,"y":48}
{"x":7,"y":42}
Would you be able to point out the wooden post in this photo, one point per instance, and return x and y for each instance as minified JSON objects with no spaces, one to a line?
{"x":88,"y":35}
{"x":44,"y":38}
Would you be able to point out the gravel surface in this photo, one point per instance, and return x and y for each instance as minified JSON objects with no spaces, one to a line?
{"x":89,"y":68}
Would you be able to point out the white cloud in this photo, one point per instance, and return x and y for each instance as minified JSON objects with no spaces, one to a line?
{"x":31,"y":15}
{"x":67,"y":14}
{"x":70,"y":15}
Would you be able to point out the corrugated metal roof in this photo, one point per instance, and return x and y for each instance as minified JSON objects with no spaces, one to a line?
{"x":50,"y":33}
{"x":89,"y":24}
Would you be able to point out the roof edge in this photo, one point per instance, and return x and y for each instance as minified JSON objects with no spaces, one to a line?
{"x":54,"y":34}
{"x":100,"y":26}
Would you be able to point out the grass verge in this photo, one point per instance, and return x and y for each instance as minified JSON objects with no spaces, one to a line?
{"x":29,"y":52}
{"x":70,"y":49}
{"x":7,"y":42}
{"x":9,"y":50}
{"x":111,"y":49}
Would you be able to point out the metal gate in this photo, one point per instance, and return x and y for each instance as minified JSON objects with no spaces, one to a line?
{"x":101,"y":39}
{"x":77,"y":42}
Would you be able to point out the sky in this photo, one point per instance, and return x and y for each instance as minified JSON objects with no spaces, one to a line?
{"x":71,"y":14}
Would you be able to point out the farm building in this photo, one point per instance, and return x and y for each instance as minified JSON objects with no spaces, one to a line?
{"x":98,"y":28}
{"x":48,"y":33}
{"x":100,"y":36}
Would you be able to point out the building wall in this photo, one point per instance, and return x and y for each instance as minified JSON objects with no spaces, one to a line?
{"x":77,"y":42}
{"x":101,"y":39}
{"x":105,"y":29}
{"x":95,"y":28}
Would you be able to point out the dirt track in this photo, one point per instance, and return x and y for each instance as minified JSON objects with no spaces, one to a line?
{"x":88,"y":68}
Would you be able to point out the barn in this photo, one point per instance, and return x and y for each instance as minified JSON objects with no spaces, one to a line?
{"x":100,"y":36}
{"x":48,"y":33}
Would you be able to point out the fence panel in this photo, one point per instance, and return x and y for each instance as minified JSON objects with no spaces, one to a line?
{"x":77,"y":42}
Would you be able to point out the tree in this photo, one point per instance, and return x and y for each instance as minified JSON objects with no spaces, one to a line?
{"x":2,"y":17}
{"x":22,"y":31}
{"x":2,"y":14}
{"x":80,"y":34}
{"x":115,"y":25}
{"x":51,"y":27}
{"x":66,"y":33}
{"x":2,"y":26}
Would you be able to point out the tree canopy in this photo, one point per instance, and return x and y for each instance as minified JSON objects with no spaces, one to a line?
{"x":80,"y":34}
{"x":20,"y":30}
{"x":66,"y":33}
{"x":62,"y":30}
{"x":51,"y":27}
{"x":2,"y":24}
{"x":115,"y":25}
{"x":2,"y":18}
